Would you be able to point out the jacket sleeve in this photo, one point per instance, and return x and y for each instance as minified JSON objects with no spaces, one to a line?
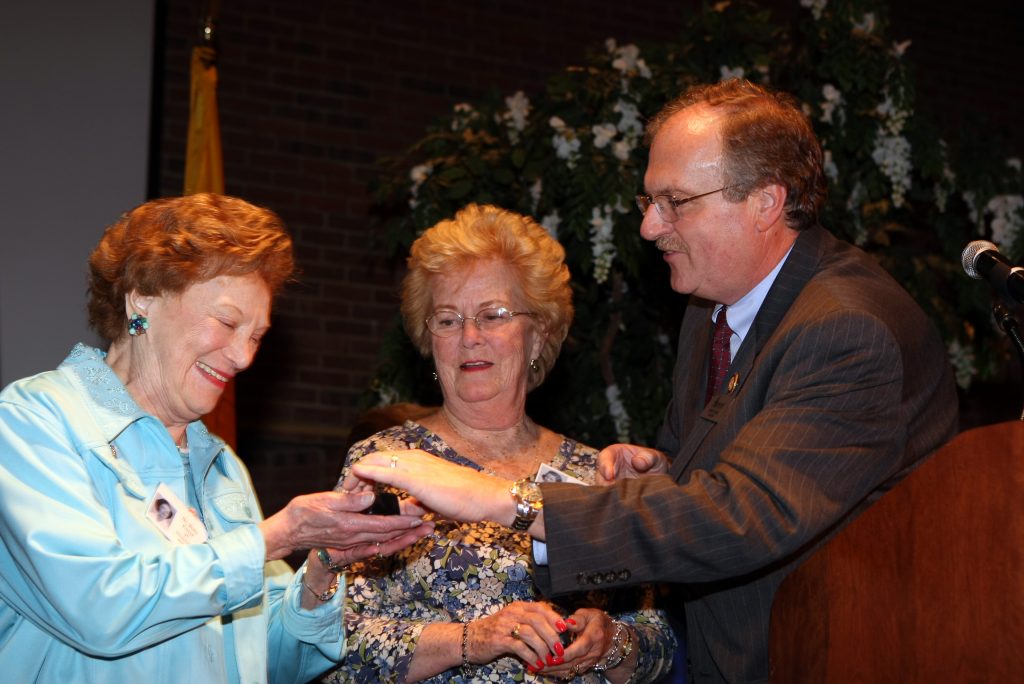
{"x":824,"y":432}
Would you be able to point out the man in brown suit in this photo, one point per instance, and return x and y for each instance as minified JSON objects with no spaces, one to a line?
{"x":831,"y":385}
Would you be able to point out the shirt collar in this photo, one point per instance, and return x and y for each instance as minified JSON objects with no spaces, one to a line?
{"x":742,"y":313}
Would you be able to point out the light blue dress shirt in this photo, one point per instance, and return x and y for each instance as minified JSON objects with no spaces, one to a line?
{"x":91,"y":590}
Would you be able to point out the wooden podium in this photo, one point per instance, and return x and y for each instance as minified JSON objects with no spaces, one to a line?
{"x":927,"y":585}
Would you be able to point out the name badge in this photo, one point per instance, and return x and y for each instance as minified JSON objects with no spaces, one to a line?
{"x":175,"y":520}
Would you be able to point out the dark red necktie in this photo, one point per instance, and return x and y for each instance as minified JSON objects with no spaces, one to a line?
{"x":720,"y":360}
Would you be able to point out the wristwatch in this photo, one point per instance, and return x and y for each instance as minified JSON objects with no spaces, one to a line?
{"x":529,"y":503}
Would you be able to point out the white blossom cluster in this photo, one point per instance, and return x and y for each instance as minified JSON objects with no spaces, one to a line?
{"x":617,"y":410}
{"x":626,"y":59}
{"x":866,"y":24}
{"x":1007,"y":218}
{"x":463,"y":114}
{"x":728,"y":73}
{"x":516,"y":114}
{"x":418,"y":175}
{"x":963,"y":361}
{"x":602,"y":241}
{"x":853,"y":205}
{"x":947,"y":182}
{"x":892,"y":150}
{"x":816,"y":6}
{"x":551,"y":222}
{"x":832,"y":106}
{"x":567,"y":145}
{"x":629,"y":126}
{"x":829,"y":164}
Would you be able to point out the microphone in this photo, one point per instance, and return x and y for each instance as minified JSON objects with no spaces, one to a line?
{"x":982,"y":260}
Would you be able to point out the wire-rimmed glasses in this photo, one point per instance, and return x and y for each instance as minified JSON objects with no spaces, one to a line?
{"x":445,"y":322}
{"x":668,"y":205}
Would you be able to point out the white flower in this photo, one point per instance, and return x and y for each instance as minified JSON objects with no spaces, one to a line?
{"x":833,"y":103}
{"x":899,"y":48}
{"x":866,"y":24}
{"x":463,"y":114}
{"x":892,"y":155}
{"x":853,"y":205}
{"x":418,"y":174}
{"x":627,"y":60}
{"x":816,"y":6}
{"x":518,"y":109}
{"x":603,"y":134}
{"x":972,"y":207}
{"x":962,"y":359}
{"x":551,"y":223}
{"x":617,"y":410}
{"x":730,"y":73}
{"x":1007,"y":219}
{"x":602,"y":242}
{"x":623,"y":148}
{"x":387,"y":395}
{"x":629,"y":123}
{"x":535,"y":191}
{"x":567,"y":149}
{"x":1013,"y":163}
{"x":831,"y":170}
{"x":567,"y":145}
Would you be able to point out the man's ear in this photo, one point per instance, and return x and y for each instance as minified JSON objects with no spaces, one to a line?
{"x":770,"y":205}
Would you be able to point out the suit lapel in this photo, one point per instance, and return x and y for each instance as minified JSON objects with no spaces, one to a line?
{"x":698,"y":421}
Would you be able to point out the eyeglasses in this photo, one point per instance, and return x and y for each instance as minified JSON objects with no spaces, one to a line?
{"x":668,"y":205}
{"x":445,"y":322}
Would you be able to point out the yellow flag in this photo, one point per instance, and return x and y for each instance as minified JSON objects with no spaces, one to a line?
{"x":204,"y":172}
{"x":204,"y":163}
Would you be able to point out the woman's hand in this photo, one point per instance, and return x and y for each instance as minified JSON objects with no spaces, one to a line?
{"x":332,"y":520}
{"x":453,"y":491}
{"x":593,"y":631}
{"x":527,"y":630}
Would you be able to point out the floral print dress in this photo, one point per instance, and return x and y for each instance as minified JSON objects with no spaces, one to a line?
{"x":464,"y":571}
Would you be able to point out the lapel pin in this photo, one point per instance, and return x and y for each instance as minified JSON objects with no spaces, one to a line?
{"x":734,"y":381}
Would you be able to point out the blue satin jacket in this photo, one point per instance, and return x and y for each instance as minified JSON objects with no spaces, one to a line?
{"x":92,"y":591}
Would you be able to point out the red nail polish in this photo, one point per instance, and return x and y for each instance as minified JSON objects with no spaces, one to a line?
{"x":560,"y":626}
{"x":559,"y":650}
{"x":559,"y":661}
{"x":550,"y":659}
{"x":571,"y":621}
{"x":540,"y":664}
{"x":531,"y":670}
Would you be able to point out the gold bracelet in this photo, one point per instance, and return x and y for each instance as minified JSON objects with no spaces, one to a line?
{"x":328,"y":593}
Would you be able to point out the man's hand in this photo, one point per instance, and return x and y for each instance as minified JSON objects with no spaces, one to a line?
{"x":620,"y":461}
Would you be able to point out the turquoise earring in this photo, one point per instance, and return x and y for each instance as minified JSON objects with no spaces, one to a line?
{"x":137,"y":325}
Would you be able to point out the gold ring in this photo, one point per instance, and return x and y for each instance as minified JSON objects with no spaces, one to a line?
{"x":515,"y":631}
{"x":394,"y":460}
{"x":379,"y":556}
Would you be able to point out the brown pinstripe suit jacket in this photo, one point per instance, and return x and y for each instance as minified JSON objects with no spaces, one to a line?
{"x":842,"y":387}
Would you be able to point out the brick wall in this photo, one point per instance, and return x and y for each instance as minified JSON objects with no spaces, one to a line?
{"x":311,"y":95}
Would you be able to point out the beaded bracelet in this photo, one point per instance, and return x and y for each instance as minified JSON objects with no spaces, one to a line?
{"x":328,"y":593}
{"x":465,"y":645}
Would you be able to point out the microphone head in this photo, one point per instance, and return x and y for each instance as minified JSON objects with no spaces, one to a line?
{"x":970,"y":256}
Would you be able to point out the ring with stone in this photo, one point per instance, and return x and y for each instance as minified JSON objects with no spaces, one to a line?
{"x":515,"y":631}
{"x":394,"y":460}
{"x":379,"y":556}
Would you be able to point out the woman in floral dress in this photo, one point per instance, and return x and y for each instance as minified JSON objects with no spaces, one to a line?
{"x":488,"y":298}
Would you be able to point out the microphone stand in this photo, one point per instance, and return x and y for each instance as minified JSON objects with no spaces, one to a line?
{"x":1010,"y":326}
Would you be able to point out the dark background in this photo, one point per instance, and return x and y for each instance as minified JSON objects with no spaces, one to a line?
{"x":314,"y":94}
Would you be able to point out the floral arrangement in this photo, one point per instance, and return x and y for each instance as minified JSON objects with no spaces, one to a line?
{"x":573,"y":158}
